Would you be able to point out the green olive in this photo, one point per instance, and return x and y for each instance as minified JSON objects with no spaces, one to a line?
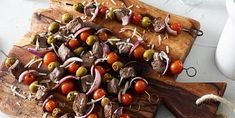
{"x":146,"y":21}
{"x":81,"y":71}
{"x":79,"y":7}
{"x":78,"y":51}
{"x":105,"y":101}
{"x":110,"y":14}
{"x":148,"y":54}
{"x":71,"y":96}
{"x":117,"y":65}
{"x":54,"y":27}
{"x":57,"y":112}
{"x":51,"y":39}
{"x":9,"y":62}
{"x":33,"y":87}
{"x":66,"y":18}
{"x":107,"y":77}
{"x":33,"y":38}
{"x":91,"y":40}
{"x":53,"y":65}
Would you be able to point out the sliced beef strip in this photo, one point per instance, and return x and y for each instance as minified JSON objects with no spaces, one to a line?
{"x":109,"y":109}
{"x":75,"y":25}
{"x":91,"y":25}
{"x":112,"y":86}
{"x":120,"y":13}
{"x":56,"y":74}
{"x":89,"y":9}
{"x":85,"y":80}
{"x":127,"y":72}
{"x":124,"y":48}
{"x":64,"y":52}
{"x":97,"y":49}
{"x":67,"y":115}
{"x":159,"y":24}
{"x":88,"y":58}
{"x":80,"y":104}
{"x":42,"y":42}
{"x":41,"y":93}
{"x":158,"y":64}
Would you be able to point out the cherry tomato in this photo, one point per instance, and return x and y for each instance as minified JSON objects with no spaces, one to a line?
{"x":28,"y":79}
{"x":103,"y":10}
{"x":101,"y":70}
{"x":138,"y":52}
{"x":112,"y":57}
{"x":49,"y":57}
{"x":176,"y":67}
{"x":73,"y":44}
{"x":136,"y":18}
{"x":73,"y":68}
{"x":67,"y":87}
{"x":99,"y":93}
{"x":84,"y":35}
{"x":126,"y":99}
{"x":103,"y":36}
{"x":140,"y":86}
{"x":177,"y":27}
{"x":50,"y":105}
{"x":124,"y":116}
{"x":93,"y":115}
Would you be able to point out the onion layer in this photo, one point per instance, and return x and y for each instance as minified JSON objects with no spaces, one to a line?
{"x":39,"y":52}
{"x":168,"y":28}
{"x":70,"y":60}
{"x":80,"y":31}
{"x":138,"y":78}
{"x":45,"y":101}
{"x":23,"y":74}
{"x":64,"y":79}
{"x":96,"y":84}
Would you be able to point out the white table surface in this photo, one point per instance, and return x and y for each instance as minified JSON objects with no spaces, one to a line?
{"x":16,"y":16}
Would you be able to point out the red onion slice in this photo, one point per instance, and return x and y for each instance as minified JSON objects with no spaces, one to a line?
{"x":88,"y":113}
{"x":23,"y":74}
{"x":64,"y":79}
{"x":96,"y":84}
{"x":70,"y":60}
{"x":163,"y":55}
{"x":40,"y":52}
{"x":45,"y":101}
{"x":94,"y":101}
{"x":120,"y":96}
{"x":103,"y":30}
{"x":168,"y":28}
{"x":118,"y":112}
{"x":126,"y":19}
{"x":138,"y":78}
{"x":92,"y":70}
{"x":96,"y":12}
{"x":137,"y":43}
{"x":106,"y":50}
{"x":80,"y":31}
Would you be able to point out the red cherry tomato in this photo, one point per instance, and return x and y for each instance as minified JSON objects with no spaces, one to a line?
{"x":112,"y":57}
{"x":140,"y":86}
{"x":73,"y":44}
{"x":93,"y":115}
{"x":28,"y":79}
{"x":136,"y":18}
{"x":49,"y":57}
{"x":67,"y":87}
{"x":176,"y":67}
{"x":99,"y":93}
{"x":73,"y":68}
{"x":84,"y":35}
{"x":103,"y":36}
{"x":103,"y":10}
{"x":50,"y":105}
{"x":177,"y":27}
{"x":101,"y":70}
{"x":125,"y":116}
{"x":127,"y":99}
{"x":138,"y":52}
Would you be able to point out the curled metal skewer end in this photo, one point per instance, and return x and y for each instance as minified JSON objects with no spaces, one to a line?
{"x":69,"y":4}
{"x":194,"y":32}
{"x":192,"y":73}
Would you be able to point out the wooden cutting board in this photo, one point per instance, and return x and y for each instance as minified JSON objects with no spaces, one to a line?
{"x":178,"y":97}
